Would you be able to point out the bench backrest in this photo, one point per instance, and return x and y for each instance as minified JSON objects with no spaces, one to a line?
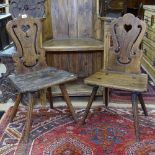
{"x":72,"y":18}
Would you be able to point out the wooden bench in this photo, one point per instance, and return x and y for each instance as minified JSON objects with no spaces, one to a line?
{"x":72,"y":30}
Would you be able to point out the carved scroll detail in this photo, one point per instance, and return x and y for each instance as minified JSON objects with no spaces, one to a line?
{"x":127,"y":34}
{"x":34,"y":8}
{"x":25,"y":32}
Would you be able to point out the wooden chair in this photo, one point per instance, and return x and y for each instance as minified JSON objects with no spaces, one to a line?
{"x":122,"y":64}
{"x":32,"y":74}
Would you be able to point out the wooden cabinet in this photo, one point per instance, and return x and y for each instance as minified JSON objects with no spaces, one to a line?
{"x":149,"y":41}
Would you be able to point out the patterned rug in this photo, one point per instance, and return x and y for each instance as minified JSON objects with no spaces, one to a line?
{"x":119,"y":96}
{"x":107,"y":132}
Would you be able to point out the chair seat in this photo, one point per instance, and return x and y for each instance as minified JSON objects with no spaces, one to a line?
{"x":130,"y":82}
{"x":37,"y":80}
{"x":87,"y":44}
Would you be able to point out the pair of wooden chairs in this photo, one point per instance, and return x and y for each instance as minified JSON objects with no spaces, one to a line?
{"x":121,"y":69}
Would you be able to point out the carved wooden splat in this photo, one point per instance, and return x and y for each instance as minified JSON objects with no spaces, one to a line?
{"x":34,"y":8}
{"x":25,"y":32}
{"x":127,"y":34}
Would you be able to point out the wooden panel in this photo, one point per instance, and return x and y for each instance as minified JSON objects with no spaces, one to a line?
{"x":73,"y":45}
{"x":148,"y":68}
{"x":59,"y":18}
{"x":46,"y":22}
{"x":149,"y":52}
{"x":85,"y":18}
{"x":136,"y":82}
{"x":72,"y":18}
{"x":81,"y":63}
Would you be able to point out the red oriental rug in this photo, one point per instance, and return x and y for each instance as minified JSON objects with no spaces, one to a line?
{"x":107,"y":132}
{"x":119,"y":96}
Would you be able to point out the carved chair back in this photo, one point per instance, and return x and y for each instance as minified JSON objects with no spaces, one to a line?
{"x":72,"y":18}
{"x":25,"y":33}
{"x":124,"y":54}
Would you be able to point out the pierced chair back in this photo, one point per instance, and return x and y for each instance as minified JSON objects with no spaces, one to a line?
{"x":125,"y":54}
{"x":25,"y":32}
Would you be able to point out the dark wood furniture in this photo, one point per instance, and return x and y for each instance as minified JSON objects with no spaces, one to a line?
{"x":32,"y":74}
{"x":34,"y":8}
{"x":112,"y":8}
{"x":122,"y":64}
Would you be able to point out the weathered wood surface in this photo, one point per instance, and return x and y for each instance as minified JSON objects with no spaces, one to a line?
{"x":81,"y":63}
{"x":76,"y":16}
{"x":131,"y":82}
{"x":73,"y":45}
{"x":45,"y":78}
{"x":34,"y":8}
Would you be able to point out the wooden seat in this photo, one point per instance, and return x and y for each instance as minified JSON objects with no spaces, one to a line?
{"x":82,"y":44}
{"x":40,"y":79}
{"x":121,"y":69}
{"x":129,"y":82}
{"x":32,"y":74}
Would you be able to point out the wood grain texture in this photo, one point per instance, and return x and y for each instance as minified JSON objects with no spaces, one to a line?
{"x":44,"y":78}
{"x":47,"y":32}
{"x":131,"y":82}
{"x":82,"y":63}
{"x":76,"y":16}
{"x":85,"y":18}
{"x":127,"y":34}
{"x":25,"y":32}
{"x":148,"y":61}
{"x":87,"y":44}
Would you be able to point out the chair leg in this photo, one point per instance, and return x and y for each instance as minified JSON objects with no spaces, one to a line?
{"x":68,"y":101}
{"x":91,"y":99}
{"x":135,"y":115}
{"x":50,"y":97}
{"x":106,"y":96}
{"x":140,"y":97}
{"x":28,"y":118}
{"x":15,"y":108}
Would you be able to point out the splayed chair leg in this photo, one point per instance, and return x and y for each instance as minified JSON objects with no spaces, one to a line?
{"x":135,"y":115}
{"x":50,"y":97}
{"x":15,"y":108}
{"x":68,"y":101}
{"x":91,"y":99}
{"x":140,"y":97}
{"x":26,"y":132}
{"x":106,"y":96}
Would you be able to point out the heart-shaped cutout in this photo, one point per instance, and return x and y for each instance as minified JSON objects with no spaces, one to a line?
{"x":127,"y":27}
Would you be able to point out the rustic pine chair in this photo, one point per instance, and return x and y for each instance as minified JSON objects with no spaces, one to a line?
{"x":122,"y":64}
{"x":32,"y":74}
